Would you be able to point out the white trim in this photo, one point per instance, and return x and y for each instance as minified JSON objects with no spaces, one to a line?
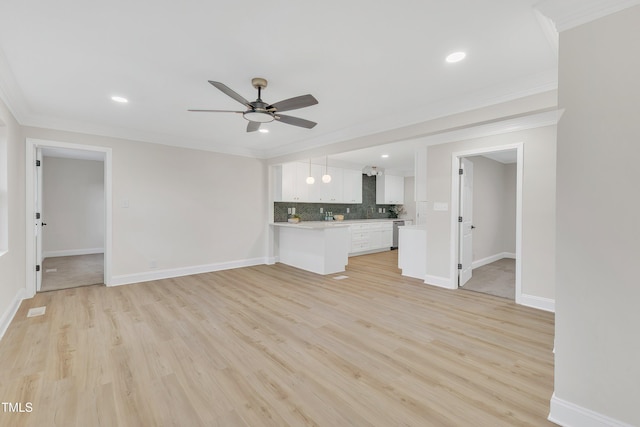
{"x":439,"y":281}
{"x":272,"y":260}
{"x":30,"y":155}
{"x":11,"y":311}
{"x":546,"y":304}
{"x":492,"y":258}
{"x":567,"y":14}
{"x":453,"y":243}
{"x":72,"y":252}
{"x":565,"y":413}
{"x":127,"y":279}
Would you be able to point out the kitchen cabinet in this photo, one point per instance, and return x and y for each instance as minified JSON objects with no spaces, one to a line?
{"x":332,"y":191}
{"x":389,"y":190}
{"x":291,"y":184}
{"x":412,"y":251}
{"x":371,"y":237}
{"x":314,"y":191}
{"x":352,"y":186}
{"x":321,"y":248}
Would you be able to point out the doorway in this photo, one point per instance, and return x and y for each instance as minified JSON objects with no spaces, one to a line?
{"x":486,"y":220}
{"x":72,"y":218}
{"x":69,"y":201}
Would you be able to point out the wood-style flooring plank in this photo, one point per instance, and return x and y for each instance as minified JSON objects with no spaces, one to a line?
{"x":278,"y":346}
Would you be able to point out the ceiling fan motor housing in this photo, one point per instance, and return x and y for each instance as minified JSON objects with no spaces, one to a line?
{"x":258,"y":112}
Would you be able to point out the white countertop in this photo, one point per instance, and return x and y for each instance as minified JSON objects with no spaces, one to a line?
{"x":317,"y":225}
{"x":414,"y":227}
{"x":312,"y":225}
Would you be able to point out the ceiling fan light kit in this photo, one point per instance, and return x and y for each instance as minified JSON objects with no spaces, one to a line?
{"x":259,"y":112}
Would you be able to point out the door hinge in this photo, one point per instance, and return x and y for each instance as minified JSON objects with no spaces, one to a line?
{"x":37,"y":268}
{"x":37,"y":215}
{"x":460,"y":171}
{"x":37,"y":162}
{"x":459,"y":266}
{"x":459,"y":219}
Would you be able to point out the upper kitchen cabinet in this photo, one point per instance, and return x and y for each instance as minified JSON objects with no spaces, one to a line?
{"x":291,"y":184}
{"x":352,"y":186}
{"x":332,"y":191}
{"x":389,"y":190}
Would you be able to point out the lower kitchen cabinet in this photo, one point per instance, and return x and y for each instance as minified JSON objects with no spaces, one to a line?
{"x":371,"y":237}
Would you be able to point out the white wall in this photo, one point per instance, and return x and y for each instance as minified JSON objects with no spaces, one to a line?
{"x":186,"y":208}
{"x":494,"y":208}
{"x":538,"y":217}
{"x":409,"y":198}
{"x":598,"y":287}
{"x":4,"y":197}
{"x":72,"y":206}
{"x":12,"y":263}
{"x":509,"y":216}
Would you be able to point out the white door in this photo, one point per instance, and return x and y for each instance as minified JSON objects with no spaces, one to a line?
{"x":465,"y":251}
{"x":38,"y":216}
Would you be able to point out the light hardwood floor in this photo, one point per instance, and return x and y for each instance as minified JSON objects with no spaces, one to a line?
{"x":277,"y":346}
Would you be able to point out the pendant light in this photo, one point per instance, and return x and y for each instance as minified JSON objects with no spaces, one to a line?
{"x":310,"y":179}
{"x":326,"y":178}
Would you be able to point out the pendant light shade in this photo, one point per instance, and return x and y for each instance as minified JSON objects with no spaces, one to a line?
{"x":326,"y":178}
{"x":310,"y":179}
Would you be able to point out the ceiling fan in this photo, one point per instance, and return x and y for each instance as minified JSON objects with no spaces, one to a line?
{"x":259,"y":112}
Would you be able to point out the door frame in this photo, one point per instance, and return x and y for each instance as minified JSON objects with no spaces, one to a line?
{"x":455,"y":197}
{"x":463,"y":212}
{"x":32,"y":145}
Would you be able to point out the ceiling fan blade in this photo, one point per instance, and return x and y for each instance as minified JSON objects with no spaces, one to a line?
{"x":296,"y":121}
{"x":294,"y":103}
{"x":253,"y":126}
{"x":229,"y":92}
{"x":216,"y":111}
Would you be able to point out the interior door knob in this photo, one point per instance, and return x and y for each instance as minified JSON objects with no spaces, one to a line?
{"x":44,"y":223}
{"x":473,"y":226}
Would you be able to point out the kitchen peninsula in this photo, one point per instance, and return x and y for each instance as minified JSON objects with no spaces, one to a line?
{"x":319,"y":247}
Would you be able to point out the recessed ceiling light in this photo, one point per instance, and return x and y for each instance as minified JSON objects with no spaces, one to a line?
{"x":119,"y":99}
{"x":263,"y":130}
{"x":384,"y":156}
{"x":456,"y":56}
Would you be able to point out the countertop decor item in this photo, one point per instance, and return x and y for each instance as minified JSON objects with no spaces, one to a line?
{"x":294,"y":219}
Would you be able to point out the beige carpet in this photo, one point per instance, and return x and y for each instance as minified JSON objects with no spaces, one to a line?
{"x":72,"y":271}
{"x":497,"y":278}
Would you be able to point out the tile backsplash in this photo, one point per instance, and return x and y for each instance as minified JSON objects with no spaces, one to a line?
{"x":368,"y":209}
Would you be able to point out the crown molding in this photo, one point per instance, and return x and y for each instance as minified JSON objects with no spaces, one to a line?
{"x":567,"y":14}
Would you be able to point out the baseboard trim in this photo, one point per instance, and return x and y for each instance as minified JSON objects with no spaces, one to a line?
{"x":565,"y":413}
{"x":546,"y":304}
{"x":11,"y":311}
{"x":72,"y":252}
{"x":492,"y":258}
{"x":127,"y":279}
{"x":272,"y":260}
{"x":441,"y":282}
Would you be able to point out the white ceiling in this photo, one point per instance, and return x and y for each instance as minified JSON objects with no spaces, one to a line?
{"x":373,"y":65}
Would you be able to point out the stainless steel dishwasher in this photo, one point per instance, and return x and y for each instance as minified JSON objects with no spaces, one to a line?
{"x":396,"y":224}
